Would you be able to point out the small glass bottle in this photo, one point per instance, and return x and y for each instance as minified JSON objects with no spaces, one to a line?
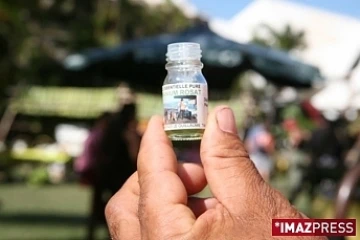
{"x":185,"y":93}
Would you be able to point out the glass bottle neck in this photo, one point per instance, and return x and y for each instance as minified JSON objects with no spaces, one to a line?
{"x":189,"y":65}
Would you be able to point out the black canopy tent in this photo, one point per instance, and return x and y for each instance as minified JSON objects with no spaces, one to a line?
{"x":141,"y":62}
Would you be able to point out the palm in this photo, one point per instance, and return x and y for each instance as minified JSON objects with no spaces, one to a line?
{"x":285,"y":39}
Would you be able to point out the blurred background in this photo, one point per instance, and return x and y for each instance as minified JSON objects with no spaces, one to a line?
{"x":79,"y":80}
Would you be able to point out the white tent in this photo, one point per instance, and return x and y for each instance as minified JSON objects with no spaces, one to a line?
{"x":333,"y":44}
{"x":333,"y":40}
{"x":339,"y":95}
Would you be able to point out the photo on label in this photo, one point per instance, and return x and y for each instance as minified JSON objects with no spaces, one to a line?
{"x":180,"y":109}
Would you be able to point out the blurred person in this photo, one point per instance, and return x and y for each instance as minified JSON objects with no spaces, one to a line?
{"x":85,"y":165}
{"x":294,"y":133}
{"x":312,"y":113}
{"x":327,"y":145}
{"x":295,"y":160}
{"x":259,"y":142}
{"x":154,"y":203}
{"x":119,"y":148}
{"x":112,"y":156}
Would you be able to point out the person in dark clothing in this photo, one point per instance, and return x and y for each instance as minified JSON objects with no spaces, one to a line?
{"x":85,"y":165}
{"x":116,"y":160}
{"x":120,"y":140}
{"x":327,"y":147}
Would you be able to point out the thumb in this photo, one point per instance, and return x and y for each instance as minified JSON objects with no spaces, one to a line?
{"x":230,"y":173}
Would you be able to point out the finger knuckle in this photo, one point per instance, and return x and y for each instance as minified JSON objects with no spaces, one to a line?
{"x":111,"y":214}
{"x":233,"y":164}
{"x":231,"y":148}
{"x":112,"y":209}
{"x":213,"y":224}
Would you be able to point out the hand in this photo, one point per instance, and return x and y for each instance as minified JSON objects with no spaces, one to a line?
{"x":154,"y":202}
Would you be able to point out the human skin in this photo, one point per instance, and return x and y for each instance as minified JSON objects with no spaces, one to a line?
{"x":154,"y":203}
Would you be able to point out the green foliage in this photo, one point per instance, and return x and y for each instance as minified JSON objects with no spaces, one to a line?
{"x":38,"y":176}
{"x":294,"y":112}
{"x":138,"y":21}
{"x":285,"y":39}
{"x":36,"y":35}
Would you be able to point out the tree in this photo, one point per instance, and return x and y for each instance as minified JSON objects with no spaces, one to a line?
{"x":36,"y":35}
{"x":286,"y":39}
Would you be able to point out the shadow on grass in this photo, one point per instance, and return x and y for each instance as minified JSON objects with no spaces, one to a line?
{"x":44,"y":218}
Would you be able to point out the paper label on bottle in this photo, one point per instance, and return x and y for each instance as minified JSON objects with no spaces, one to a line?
{"x":185,"y":106}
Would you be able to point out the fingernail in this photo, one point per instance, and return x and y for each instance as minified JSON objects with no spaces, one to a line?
{"x":226,"y":120}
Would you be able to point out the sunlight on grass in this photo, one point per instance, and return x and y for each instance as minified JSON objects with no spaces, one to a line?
{"x":49,"y":212}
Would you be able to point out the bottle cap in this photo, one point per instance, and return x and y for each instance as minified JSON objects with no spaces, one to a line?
{"x":183,"y":51}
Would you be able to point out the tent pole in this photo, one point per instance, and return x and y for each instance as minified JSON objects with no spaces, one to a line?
{"x":9,"y":115}
{"x":6,"y":122}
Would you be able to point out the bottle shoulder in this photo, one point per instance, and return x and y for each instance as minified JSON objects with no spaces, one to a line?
{"x":173,"y":78}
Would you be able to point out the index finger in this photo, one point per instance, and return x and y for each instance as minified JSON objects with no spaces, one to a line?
{"x":163,"y":196}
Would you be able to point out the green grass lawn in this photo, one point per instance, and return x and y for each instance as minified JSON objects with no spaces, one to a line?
{"x":44,"y":213}
{"x":60,"y":212}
